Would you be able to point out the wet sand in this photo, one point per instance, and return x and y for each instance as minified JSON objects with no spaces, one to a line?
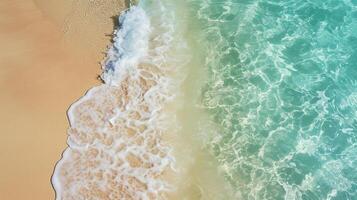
{"x":49,"y":56}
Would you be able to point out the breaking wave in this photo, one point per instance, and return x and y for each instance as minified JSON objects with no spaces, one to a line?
{"x":115,"y":146}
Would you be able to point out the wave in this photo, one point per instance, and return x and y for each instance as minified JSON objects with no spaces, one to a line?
{"x":115,"y":139}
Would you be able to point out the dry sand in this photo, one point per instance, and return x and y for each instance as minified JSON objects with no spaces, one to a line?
{"x":49,"y":57}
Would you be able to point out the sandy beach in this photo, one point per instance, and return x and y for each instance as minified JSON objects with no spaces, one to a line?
{"x":50,"y":54}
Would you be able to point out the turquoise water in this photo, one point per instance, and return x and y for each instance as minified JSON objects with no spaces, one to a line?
{"x":265,"y":95}
{"x":282,"y":87}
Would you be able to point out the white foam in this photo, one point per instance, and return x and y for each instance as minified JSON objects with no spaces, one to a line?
{"x":131,"y":43}
{"x":115,"y":148}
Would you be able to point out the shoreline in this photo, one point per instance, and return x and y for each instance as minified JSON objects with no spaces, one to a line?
{"x":42,"y":75}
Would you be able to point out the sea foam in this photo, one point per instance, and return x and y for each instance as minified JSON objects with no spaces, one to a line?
{"x":115,"y":146}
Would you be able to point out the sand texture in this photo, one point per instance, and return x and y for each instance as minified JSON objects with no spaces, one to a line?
{"x":49,"y":56}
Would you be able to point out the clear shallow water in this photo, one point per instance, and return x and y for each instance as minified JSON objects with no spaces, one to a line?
{"x":268,"y":87}
{"x":283,"y":89}
{"x":135,"y":136}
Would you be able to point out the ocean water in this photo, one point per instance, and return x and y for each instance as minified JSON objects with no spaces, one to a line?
{"x":213,"y":99}
{"x":282,"y":87}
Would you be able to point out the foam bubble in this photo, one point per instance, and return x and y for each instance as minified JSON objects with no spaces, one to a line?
{"x":131,"y":43}
{"x":115,"y":144}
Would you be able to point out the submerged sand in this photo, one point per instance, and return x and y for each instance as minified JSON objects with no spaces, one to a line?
{"x":50,"y":53}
